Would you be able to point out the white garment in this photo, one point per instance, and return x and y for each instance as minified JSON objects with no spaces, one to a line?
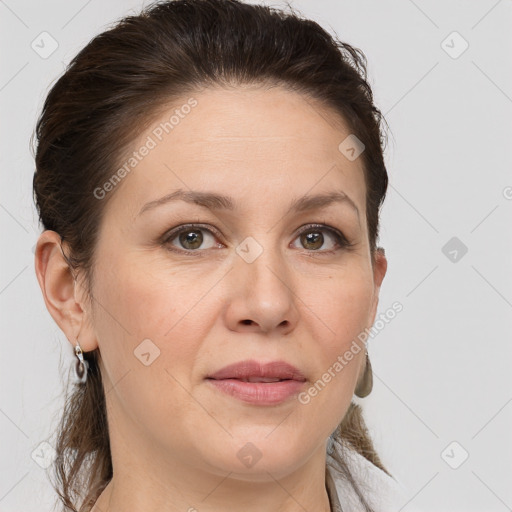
{"x":382,"y":492}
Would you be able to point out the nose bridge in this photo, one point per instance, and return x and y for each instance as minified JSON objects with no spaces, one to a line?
{"x":263,"y":283}
{"x":263,"y":262}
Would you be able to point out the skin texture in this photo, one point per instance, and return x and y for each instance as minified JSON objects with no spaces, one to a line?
{"x":175,"y":438}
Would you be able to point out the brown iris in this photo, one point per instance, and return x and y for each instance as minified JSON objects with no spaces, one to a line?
{"x":194,"y":238}
{"x":313,"y":237}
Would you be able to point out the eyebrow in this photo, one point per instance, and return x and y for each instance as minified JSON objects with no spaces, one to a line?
{"x":214,"y":201}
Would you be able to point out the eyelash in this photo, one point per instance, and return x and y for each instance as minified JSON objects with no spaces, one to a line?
{"x":338,"y":236}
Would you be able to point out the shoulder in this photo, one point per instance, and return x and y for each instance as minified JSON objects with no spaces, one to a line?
{"x":382,"y":492}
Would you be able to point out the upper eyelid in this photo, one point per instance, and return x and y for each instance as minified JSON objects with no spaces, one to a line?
{"x":190,"y":226}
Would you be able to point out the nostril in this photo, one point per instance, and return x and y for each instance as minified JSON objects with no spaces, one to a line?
{"x":247,"y":322}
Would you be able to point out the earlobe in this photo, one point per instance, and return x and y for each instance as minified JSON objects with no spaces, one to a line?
{"x":58,"y":286}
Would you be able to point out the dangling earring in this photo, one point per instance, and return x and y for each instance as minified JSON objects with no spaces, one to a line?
{"x":365,"y":385}
{"x":81,"y":365}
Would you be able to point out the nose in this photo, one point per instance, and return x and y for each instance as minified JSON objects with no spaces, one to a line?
{"x":261,"y":294}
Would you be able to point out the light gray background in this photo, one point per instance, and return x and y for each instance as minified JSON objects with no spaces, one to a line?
{"x":442,"y":366}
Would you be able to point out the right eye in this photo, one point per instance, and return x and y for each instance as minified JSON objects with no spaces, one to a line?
{"x":189,"y":238}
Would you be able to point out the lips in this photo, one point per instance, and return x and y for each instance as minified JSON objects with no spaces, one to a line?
{"x":261,"y":384}
{"x":255,"y":371}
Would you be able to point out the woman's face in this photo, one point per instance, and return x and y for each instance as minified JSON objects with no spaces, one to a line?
{"x":242,"y":283}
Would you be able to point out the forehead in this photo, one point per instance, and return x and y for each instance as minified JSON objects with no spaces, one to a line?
{"x":243,"y":140}
{"x":250,"y":117}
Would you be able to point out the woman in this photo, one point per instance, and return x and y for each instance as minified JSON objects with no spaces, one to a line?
{"x":209,"y":176}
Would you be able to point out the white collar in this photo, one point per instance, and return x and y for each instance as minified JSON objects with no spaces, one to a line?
{"x":381,"y":491}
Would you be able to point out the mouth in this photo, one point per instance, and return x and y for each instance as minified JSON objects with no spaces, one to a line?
{"x":259,"y":383}
{"x":258,"y":392}
{"x":255,"y":371}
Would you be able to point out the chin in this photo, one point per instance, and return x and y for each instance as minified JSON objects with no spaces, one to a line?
{"x":254,"y":456}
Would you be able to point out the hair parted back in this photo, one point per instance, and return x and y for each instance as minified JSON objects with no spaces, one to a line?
{"x":111,"y":91}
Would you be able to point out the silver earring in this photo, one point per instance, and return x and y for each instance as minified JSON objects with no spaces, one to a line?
{"x":81,"y":365}
{"x":365,"y":385}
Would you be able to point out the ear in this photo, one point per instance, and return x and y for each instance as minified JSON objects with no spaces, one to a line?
{"x":380,"y":266}
{"x":64,"y":297}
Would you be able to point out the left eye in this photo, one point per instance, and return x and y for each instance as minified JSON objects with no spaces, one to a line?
{"x":313,"y":238}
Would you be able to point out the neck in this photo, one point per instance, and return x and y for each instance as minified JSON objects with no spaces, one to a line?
{"x":141,"y":488}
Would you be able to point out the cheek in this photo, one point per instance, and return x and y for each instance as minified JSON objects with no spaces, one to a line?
{"x":341,"y":306}
{"x":146,"y":302}
{"x":339,"y":313}
{"x":141,"y":315}
{"x":166,"y":308}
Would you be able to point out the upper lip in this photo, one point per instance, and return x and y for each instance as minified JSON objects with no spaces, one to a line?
{"x":250,"y":368}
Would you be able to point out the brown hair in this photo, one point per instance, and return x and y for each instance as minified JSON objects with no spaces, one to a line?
{"x":112,"y":90}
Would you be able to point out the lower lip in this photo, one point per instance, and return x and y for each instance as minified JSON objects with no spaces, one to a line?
{"x":261,"y":393}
